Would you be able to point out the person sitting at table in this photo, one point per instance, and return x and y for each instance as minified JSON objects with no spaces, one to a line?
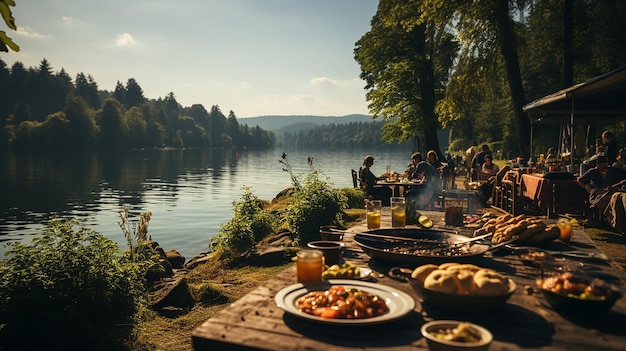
{"x":443,"y":169}
{"x":427,"y":175}
{"x":602,"y":182}
{"x":368,"y":182}
{"x":610,"y":146}
{"x":489,"y":172}
{"x":551,"y":155}
{"x":478,"y":160}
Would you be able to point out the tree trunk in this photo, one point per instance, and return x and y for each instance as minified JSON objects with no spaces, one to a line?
{"x":427,"y":91}
{"x":508,"y":48}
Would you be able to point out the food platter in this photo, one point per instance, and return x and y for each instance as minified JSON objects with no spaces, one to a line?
{"x":399,"y":302}
{"x":422,"y":246}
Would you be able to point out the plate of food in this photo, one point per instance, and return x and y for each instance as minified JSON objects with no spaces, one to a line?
{"x":380,"y":303}
{"x":346,"y":271}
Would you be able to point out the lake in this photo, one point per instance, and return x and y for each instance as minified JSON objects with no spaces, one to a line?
{"x":190,"y":192}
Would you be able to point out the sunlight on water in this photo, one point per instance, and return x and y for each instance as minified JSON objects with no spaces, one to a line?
{"x":190,"y":192}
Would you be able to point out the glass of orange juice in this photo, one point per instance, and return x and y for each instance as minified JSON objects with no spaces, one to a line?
{"x":372,"y":210}
{"x":398,"y":212}
{"x":309,"y":266}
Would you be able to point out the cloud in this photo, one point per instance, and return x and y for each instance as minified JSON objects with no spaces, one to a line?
{"x":323,"y":80}
{"x":125,"y":40}
{"x":29,"y":32}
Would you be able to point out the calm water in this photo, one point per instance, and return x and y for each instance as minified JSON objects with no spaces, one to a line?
{"x":190,"y":192}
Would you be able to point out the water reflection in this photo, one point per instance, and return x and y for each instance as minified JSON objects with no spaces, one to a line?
{"x":190,"y":192}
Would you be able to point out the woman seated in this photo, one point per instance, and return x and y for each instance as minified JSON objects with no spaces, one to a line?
{"x":368,"y":182}
{"x":488,"y":172}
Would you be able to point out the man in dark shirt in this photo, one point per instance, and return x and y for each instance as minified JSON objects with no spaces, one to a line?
{"x":428,"y":176}
{"x":602,"y":182}
{"x":610,"y":146}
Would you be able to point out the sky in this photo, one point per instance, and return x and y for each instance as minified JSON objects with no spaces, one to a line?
{"x":252,"y":57}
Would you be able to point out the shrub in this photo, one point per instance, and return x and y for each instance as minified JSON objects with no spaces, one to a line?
{"x":250,"y":223}
{"x":313,"y":205}
{"x":354,"y":197}
{"x":69,"y":286}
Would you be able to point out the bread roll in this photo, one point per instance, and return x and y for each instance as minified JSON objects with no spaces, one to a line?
{"x":420,"y":273}
{"x":443,"y":281}
{"x":467,"y":267}
{"x":446,"y":265}
{"x":465,"y":280}
{"x":490,"y":283}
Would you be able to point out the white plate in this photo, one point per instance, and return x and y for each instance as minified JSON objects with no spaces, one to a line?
{"x":399,"y":302}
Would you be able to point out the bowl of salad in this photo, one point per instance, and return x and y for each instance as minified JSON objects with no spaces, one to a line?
{"x":450,"y":335}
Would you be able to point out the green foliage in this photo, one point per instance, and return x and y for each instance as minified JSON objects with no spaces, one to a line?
{"x":354,"y":197}
{"x":7,"y":16}
{"x":313,"y":205}
{"x":69,"y":288}
{"x":250,"y":223}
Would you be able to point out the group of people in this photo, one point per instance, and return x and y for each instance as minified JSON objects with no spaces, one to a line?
{"x":428,"y":172}
{"x":606,"y":182}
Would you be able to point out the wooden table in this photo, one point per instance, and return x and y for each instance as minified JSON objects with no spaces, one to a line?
{"x":554,"y":196}
{"x":526,"y":322}
{"x":399,"y":185}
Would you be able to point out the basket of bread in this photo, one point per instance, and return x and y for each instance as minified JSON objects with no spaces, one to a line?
{"x":524,"y":229}
{"x":458,"y":286}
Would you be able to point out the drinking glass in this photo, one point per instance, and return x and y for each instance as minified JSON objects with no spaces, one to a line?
{"x":372,"y":210}
{"x":398,"y":212}
{"x":309,"y":266}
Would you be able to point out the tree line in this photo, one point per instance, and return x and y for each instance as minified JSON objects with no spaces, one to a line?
{"x":40,"y":108}
{"x":470,"y":66}
{"x":354,"y":134}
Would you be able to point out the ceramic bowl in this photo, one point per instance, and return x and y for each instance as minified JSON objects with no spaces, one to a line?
{"x":601,"y":291}
{"x":436,"y":344}
{"x":331,"y":250}
{"x":462,"y":303}
{"x":331,"y":235}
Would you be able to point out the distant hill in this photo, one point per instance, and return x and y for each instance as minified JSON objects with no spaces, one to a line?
{"x":280,"y":124}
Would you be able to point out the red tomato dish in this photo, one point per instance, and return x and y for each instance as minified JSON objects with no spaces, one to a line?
{"x":341,"y":303}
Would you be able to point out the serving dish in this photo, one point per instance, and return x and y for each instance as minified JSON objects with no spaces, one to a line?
{"x":461,"y":303}
{"x":454,"y":302}
{"x":418,"y":246}
{"x":399,"y":302}
{"x":437,"y":344}
{"x":579,"y":292}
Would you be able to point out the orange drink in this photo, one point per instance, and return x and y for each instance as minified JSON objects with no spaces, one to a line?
{"x":309,"y":266}
{"x":372,"y":210}
{"x":398,"y":212}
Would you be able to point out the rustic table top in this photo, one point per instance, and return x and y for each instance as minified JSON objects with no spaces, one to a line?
{"x":525,"y":322}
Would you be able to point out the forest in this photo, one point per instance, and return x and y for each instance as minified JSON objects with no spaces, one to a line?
{"x":40,"y":108}
{"x":471,"y":66}
{"x":354,"y":134}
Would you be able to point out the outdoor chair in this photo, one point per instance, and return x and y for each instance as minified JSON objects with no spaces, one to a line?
{"x":355,"y":179}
